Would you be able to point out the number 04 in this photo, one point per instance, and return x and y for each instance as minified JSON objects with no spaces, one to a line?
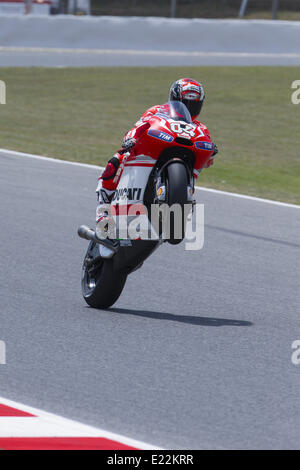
{"x":188,"y":129}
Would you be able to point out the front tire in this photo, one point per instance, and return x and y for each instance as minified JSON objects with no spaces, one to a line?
{"x":101,"y":286}
{"x":177,"y":183}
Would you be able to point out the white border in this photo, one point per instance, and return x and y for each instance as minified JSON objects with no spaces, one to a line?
{"x":200,"y":188}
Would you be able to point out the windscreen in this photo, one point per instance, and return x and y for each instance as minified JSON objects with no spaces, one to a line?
{"x":179,"y":112}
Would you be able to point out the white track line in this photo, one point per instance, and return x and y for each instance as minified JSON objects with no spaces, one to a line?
{"x":245,"y":196}
{"x":200,"y":188}
{"x":14,"y":153}
{"x":129,"y":52}
{"x":45,"y":424}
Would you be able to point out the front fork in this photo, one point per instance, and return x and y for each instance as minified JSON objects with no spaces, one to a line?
{"x":160,"y":188}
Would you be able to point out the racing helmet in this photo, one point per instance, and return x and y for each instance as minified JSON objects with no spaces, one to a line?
{"x":190,"y":92}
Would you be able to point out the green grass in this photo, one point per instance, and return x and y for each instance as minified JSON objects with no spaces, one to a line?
{"x":284,"y":15}
{"x":82,"y":114}
{"x":261,"y":9}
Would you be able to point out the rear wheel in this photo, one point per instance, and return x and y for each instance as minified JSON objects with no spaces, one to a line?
{"x":177,"y":183}
{"x":101,"y":286}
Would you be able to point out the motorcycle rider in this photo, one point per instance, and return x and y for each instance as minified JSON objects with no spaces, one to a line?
{"x":188,"y":91}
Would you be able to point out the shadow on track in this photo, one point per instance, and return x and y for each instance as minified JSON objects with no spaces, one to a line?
{"x":201,"y":321}
{"x":252,"y":235}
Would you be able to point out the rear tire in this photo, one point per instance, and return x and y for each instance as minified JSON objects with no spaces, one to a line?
{"x":177,"y":182}
{"x":101,"y":286}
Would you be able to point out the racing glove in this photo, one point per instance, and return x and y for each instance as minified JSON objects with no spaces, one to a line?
{"x":215,"y":150}
{"x":128,"y":143}
{"x":211,"y":159}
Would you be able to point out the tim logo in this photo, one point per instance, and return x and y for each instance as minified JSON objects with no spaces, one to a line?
{"x":2,"y":352}
{"x":160,"y":135}
{"x":2,"y":92}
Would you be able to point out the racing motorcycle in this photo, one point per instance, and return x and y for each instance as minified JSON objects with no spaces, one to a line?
{"x":159,"y":171}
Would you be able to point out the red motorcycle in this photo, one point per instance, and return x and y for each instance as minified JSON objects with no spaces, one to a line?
{"x":159,"y":171}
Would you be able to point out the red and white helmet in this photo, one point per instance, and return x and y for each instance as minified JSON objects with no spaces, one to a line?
{"x":190,"y":92}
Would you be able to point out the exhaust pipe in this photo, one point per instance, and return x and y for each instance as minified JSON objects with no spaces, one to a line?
{"x":89,"y":234}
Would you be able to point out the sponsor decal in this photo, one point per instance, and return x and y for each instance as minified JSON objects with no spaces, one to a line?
{"x":133,"y":194}
{"x":204,"y":145}
{"x":104,"y":196}
{"x":160,"y":135}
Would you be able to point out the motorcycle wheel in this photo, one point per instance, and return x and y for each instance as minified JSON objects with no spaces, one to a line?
{"x":177,"y":182}
{"x":101,"y":286}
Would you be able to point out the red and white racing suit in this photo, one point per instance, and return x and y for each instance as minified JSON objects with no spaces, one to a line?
{"x":108,"y":181}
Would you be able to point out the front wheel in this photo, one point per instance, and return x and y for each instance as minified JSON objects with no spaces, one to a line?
{"x":177,"y":184}
{"x":101,"y":286}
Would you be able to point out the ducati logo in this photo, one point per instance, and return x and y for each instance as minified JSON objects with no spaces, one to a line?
{"x":133,"y":194}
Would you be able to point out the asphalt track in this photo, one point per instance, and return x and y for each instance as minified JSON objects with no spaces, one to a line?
{"x":60,"y":57}
{"x":197,"y":351}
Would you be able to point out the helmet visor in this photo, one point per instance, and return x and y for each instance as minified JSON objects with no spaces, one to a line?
{"x":193,"y":106}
